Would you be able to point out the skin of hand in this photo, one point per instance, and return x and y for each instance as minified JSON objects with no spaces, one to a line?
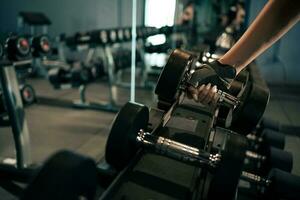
{"x":205,"y":94}
{"x":276,"y":18}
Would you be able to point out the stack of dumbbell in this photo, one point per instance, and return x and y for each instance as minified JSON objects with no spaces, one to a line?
{"x":186,"y":150}
{"x":20,"y":50}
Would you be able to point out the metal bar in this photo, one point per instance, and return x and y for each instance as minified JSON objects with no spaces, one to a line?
{"x":133,"y":52}
{"x":16,"y":113}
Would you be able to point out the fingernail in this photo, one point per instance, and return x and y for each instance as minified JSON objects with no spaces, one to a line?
{"x":208,"y":86}
{"x":195,"y":97}
{"x":214,"y":89}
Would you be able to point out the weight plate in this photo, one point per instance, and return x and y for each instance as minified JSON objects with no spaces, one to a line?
{"x":121,"y":143}
{"x":254,"y":103}
{"x":27,"y":94}
{"x":57,"y":76}
{"x":172,"y":75}
{"x":283,"y":185}
{"x":226,"y":177}
{"x":65,"y":176}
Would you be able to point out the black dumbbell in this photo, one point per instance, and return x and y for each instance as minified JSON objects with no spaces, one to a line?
{"x":127,"y":34}
{"x":40,"y":46}
{"x":140,"y":32}
{"x":103,"y":37}
{"x":260,"y":156}
{"x":270,"y":124}
{"x":127,"y":136}
{"x":76,"y":175}
{"x":173,"y":81}
{"x":120,"y":35}
{"x":273,"y":158}
{"x":75,"y":76}
{"x":58,"y":76}
{"x":17,"y":48}
{"x":27,"y":94}
{"x":112,"y":36}
{"x":277,"y":185}
{"x":267,"y":138}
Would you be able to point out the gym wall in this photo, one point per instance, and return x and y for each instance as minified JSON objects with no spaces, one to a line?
{"x":69,"y":16}
{"x":280,"y":64}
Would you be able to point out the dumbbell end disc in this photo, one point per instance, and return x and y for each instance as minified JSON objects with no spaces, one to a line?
{"x":283,"y":185}
{"x":121,"y":144}
{"x":172,"y":75}
{"x":280,"y":159}
{"x":228,"y":172}
{"x":273,"y":138}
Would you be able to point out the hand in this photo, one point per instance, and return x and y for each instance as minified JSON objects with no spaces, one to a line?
{"x":215,"y":73}
{"x":205,"y":94}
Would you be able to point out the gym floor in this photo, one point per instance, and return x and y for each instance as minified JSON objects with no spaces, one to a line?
{"x":85,"y":131}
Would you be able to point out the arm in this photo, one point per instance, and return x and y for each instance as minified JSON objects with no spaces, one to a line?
{"x":276,"y":18}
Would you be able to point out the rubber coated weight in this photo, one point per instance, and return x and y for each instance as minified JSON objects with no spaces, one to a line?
{"x":81,"y":76}
{"x":248,"y":115}
{"x":121,"y":144}
{"x":58,"y":76}
{"x":27,"y":94}
{"x":283,"y":186}
{"x":277,"y":158}
{"x":103,"y":35}
{"x":65,"y":176}
{"x":273,"y":138}
{"x":172,"y":74}
{"x":226,"y":178}
{"x":112,"y":36}
{"x":17,"y":48}
{"x":40,"y":46}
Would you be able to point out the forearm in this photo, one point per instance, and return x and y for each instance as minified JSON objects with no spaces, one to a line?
{"x":276,"y":18}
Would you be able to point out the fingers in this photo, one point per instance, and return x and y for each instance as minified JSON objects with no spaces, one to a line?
{"x":210,"y":95}
{"x":193,"y":93}
{"x":204,"y":94}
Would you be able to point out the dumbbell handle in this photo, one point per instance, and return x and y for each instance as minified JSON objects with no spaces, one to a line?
{"x":177,"y":151}
{"x":227,"y":99}
{"x":253,"y":178}
{"x":255,"y":156}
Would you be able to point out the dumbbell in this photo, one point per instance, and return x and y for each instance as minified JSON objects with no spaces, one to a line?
{"x":103,"y":37}
{"x":127,"y":137}
{"x":127,"y":34}
{"x":266,"y":138}
{"x":17,"y":48}
{"x":75,"y":77}
{"x":139,"y":32}
{"x":267,"y":123}
{"x":40,"y":46}
{"x":260,"y":162}
{"x":120,"y":35}
{"x":173,"y":81}
{"x":276,"y":185}
{"x":273,"y":158}
{"x":64,"y":176}
{"x":112,"y":36}
{"x":27,"y":94}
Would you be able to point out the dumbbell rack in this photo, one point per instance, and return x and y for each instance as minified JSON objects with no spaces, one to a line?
{"x":158,"y":154}
{"x":14,"y":106}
